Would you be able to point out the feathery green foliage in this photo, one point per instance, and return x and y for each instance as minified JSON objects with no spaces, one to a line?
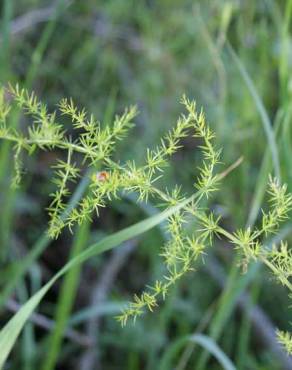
{"x":95,"y":145}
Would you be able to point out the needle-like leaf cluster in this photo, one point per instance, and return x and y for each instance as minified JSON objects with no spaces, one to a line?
{"x":94,"y":147}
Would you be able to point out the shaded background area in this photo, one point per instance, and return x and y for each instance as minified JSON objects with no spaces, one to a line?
{"x":110,"y":54}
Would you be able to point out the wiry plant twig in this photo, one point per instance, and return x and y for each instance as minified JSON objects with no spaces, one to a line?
{"x":48,"y":324}
{"x":32,"y":18}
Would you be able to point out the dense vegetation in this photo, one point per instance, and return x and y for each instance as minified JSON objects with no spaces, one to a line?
{"x":195,"y":206}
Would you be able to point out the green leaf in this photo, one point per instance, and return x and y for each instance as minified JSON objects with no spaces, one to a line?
{"x":203,"y":341}
{"x":11,"y":330}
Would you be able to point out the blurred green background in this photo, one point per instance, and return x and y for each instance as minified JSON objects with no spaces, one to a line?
{"x":234,"y":58}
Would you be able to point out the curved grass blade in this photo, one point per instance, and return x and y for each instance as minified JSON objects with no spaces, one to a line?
{"x":206,"y":342}
{"x":12,"y":329}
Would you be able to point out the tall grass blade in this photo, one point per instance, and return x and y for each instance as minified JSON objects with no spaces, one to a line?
{"x":267,"y":125}
{"x":66,"y":298}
